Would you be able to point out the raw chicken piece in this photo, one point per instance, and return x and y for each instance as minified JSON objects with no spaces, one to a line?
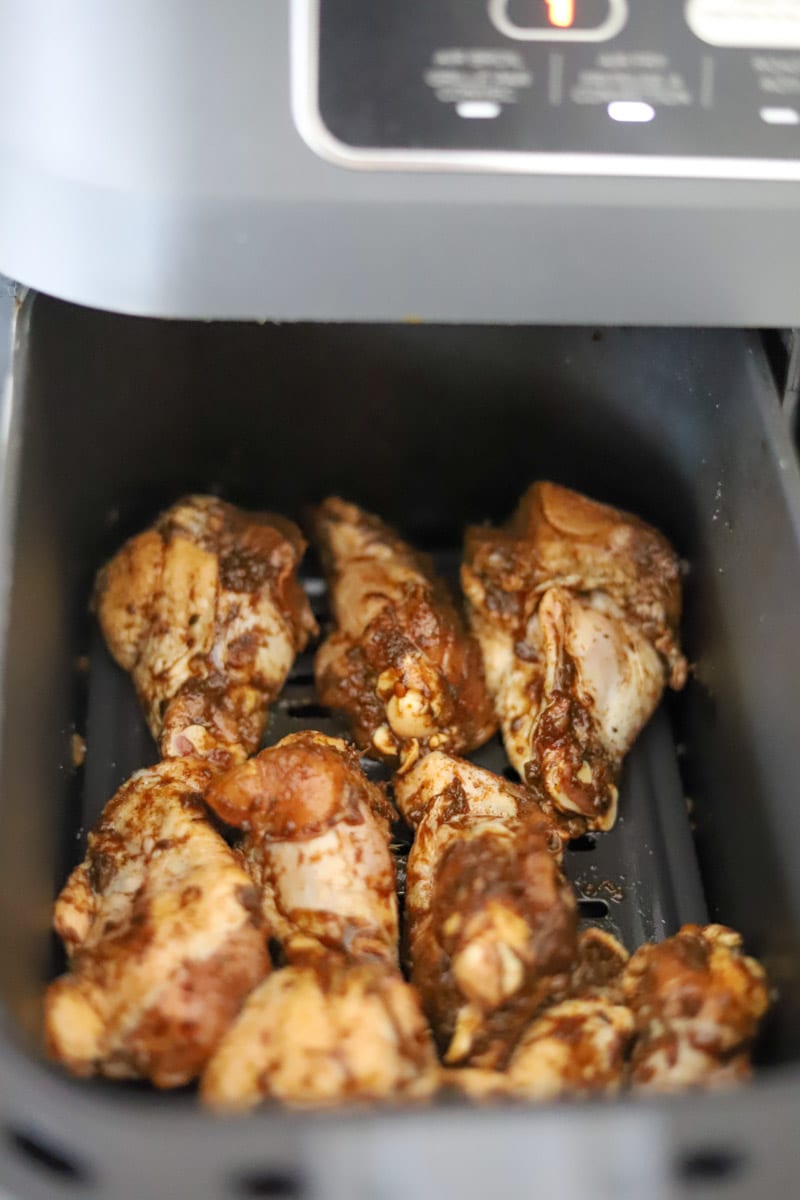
{"x":327,"y":1032}
{"x":340,"y":1023}
{"x":317,"y":842}
{"x":576,"y":607}
{"x":697,"y":1001}
{"x":575,"y":1048}
{"x":491,"y":918}
{"x":163,"y":932}
{"x":206,"y":612}
{"x":577,"y":1045}
{"x":400,"y":663}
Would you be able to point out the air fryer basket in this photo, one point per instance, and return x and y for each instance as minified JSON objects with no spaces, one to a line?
{"x":111,"y":417}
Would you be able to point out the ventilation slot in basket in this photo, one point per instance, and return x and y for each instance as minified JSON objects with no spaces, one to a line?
{"x":308,"y":711}
{"x":710,"y":1165}
{"x":277,"y":1185}
{"x":46,"y":1158}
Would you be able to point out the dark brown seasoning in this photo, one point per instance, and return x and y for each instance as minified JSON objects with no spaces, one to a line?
{"x":564,"y":572}
{"x":206,"y":612}
{"x":473,"y":875}
{"x":603,"y":887}
{"x":491,"y":918}
{"x":565,"y":740}
{"x":573,"y":1048}
{"x":161,"y":935}
{"x":697,"y":1000}
{"x":598,"y":967}
{"x":398,"y":637}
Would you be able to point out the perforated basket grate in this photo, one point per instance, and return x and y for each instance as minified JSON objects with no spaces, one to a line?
{"x":640,"y":881}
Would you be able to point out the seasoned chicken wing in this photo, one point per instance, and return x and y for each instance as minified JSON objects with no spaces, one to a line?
{"x":328,"y":1031}
{"x":163,"y":932}
{"x":399,"y":663}
{"x":491,"y":918}
{"x":317,"y":842}
{"x":697,"y":1000}
{"x":575,"y":1048}
{"x":576,"y":607}
{"x":206,"y":612}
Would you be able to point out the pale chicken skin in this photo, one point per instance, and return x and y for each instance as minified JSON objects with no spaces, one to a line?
{"x":207,"y":614}
{"x":491,"y":918}
{"x":400,"y":663}
{"x":331,"y":1031}
{"x":697,"y":1000}
{"x":163,"y":933}
{"x":316,"y":840}
{"x":339,"y":1023}
{"x":576,"y":607}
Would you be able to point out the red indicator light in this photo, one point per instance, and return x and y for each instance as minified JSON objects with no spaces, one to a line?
{"x":561,"y":13}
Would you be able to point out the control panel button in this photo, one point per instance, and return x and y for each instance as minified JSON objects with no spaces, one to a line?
{"x":779,"y":116}
{"x":559,"y":20}
{"x":637,"y":112}
{"x":748,"y":24}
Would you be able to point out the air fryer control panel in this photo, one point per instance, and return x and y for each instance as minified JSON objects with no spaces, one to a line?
{"x":698,"y":87}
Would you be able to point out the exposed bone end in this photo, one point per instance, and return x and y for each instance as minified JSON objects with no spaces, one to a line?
{"x":490,"y":968}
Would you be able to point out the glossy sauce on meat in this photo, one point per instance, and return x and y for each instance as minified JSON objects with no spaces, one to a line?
{"x":400,"y":663}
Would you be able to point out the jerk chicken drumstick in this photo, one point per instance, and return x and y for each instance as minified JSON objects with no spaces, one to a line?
{"x":205,"y":611}
{"x":689,"y":1007}
{"x":697,"y":1000}
{"x":576,"y":1046}
{"x":491,"y":918}
{"x":163,"y":933}
{"x":399,"y":663}
{"x":316,"y":842}
{"x":576,"y":606}
{"x":339,"y":1022}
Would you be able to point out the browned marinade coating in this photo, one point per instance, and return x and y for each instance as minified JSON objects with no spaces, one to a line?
{"x":206,"y":612}
{"x":697,"y":1000}
{"x":679,"y":1014}
{"x":339,"y":1023}
{"x":317,"y":842}
{"x":597,"y":971}
{"x":400,"y":662}
{"x":576,"y":606}
{"x":491,"y":918}
{"x":575,"y":1048}
{"x":163,"y":933}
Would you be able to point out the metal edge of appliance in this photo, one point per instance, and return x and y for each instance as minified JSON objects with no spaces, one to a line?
{"x":305,"y":15}
{"x":59,"y":1138}
{"x":122,"y":187}
{"x":10,"y":302}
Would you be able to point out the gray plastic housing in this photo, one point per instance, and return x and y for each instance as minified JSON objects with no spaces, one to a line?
{"x":149,"y":163}
{"x":110,"y":417}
